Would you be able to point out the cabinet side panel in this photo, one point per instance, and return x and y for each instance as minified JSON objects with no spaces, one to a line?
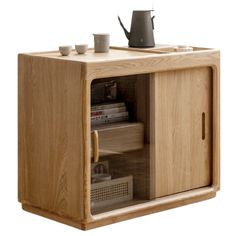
{"x":183,"y":130}
{"x":50,"y":135}
{"x":22,"y":171}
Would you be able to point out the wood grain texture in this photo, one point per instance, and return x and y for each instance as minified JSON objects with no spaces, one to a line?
{"x":183,"y":160}
{"x":90,"y":56}
{"x":95,"y":145}
{"x":53,"y":216}
{"x":86,"y":190}
{"x":152,"y":63}
{"x":119,"y":137}
{"x":216,"y":126}
{"x":159,"y":204}
{"x":50,"y":135}
{"x":126,"y":213}
{"x":126,"y":61}
{"x":55,"y":133}
{"x":158,"y":49}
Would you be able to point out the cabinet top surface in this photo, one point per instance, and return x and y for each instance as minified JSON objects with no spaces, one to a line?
{"x":118,"y":53}
{"x":91,"y":56}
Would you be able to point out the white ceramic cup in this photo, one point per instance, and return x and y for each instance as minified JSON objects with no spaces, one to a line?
{"x":81,"y":48}
{"x":65,"y":50}
{"x":101,"y":42}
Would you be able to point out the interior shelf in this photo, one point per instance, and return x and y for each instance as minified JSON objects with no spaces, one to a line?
{"x":117,"y":138}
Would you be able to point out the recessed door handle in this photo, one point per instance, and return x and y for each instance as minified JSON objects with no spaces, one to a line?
{"x":203,"y":126}
{"x":95,"y":146}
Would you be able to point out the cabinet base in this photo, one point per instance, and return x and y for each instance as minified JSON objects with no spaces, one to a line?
{"x":118,"y":215}
{"x":53,"y":216}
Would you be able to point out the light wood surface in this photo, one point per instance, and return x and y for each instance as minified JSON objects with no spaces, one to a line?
{"x":152,"y":63}
{"x":131,"y":211}
{"x":50,"y":136}
{"x":159,"y":204}
{"x":159,"y":49}
{"x":119,"y":137}
{"x":118,"y":206}
{"x":55,"y":133}
{"x":216,"y":126}
{"x":95,"y":145}
{"x":90,"y":56}
{"x":183,"y":160}
{"x":86,"y":99}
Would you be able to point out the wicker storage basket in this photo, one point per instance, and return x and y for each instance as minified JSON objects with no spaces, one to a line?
{"x":112,"y":191}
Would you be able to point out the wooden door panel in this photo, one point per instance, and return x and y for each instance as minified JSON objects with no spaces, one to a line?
{"x":182,"y":125}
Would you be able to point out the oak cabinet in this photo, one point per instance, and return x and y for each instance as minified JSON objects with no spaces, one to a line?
{"x":104,"y":137}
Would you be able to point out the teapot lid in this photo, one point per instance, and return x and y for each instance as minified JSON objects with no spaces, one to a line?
{"x":142,"y":10}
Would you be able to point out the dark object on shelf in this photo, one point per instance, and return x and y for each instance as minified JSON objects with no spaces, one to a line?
{"x":101,"y":167}
{"x":103,"y":92}
{"x":141,"y":31}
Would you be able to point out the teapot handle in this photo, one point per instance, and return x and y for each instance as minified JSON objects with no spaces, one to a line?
{"x":152,"y":22}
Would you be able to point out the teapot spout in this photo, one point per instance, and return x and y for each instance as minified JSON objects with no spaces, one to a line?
{"x":127,"y":34}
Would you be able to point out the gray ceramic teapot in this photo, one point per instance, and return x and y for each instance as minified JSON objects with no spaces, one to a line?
{"x":141,"y":31}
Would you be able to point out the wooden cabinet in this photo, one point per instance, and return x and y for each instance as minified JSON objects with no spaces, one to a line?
{"x":104,"y":137}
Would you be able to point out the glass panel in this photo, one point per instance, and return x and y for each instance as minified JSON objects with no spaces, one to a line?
{"x":120,"y":142}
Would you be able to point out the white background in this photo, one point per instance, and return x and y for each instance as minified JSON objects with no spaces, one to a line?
{"x":27,"y":25}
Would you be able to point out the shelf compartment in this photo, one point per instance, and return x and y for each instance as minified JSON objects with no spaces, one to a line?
{"x":118,"y":138}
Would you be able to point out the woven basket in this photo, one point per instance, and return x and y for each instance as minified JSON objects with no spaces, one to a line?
{"x":112,"y":191}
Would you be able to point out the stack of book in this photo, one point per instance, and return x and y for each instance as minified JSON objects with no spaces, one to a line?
{"x":108,"y":113}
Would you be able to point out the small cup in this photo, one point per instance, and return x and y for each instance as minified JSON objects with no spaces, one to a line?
{"x":81,"y":48}
{"x":101,"y":42}
{"x":65,"y":50}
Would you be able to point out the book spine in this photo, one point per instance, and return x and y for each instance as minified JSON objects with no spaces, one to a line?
{"x":109,"y":116}
{"x":108,"y":121}
{"x":107,"y":106}
{"x":123,"y":116}
{"x":108,"y":111}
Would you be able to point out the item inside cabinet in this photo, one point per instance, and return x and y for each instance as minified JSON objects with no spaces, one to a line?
{"x":103,"y":91}
{"x":100,"y":172}
{"x":120,"y":115}
{"x":110,"y":192}
{"x":105,"y":190}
